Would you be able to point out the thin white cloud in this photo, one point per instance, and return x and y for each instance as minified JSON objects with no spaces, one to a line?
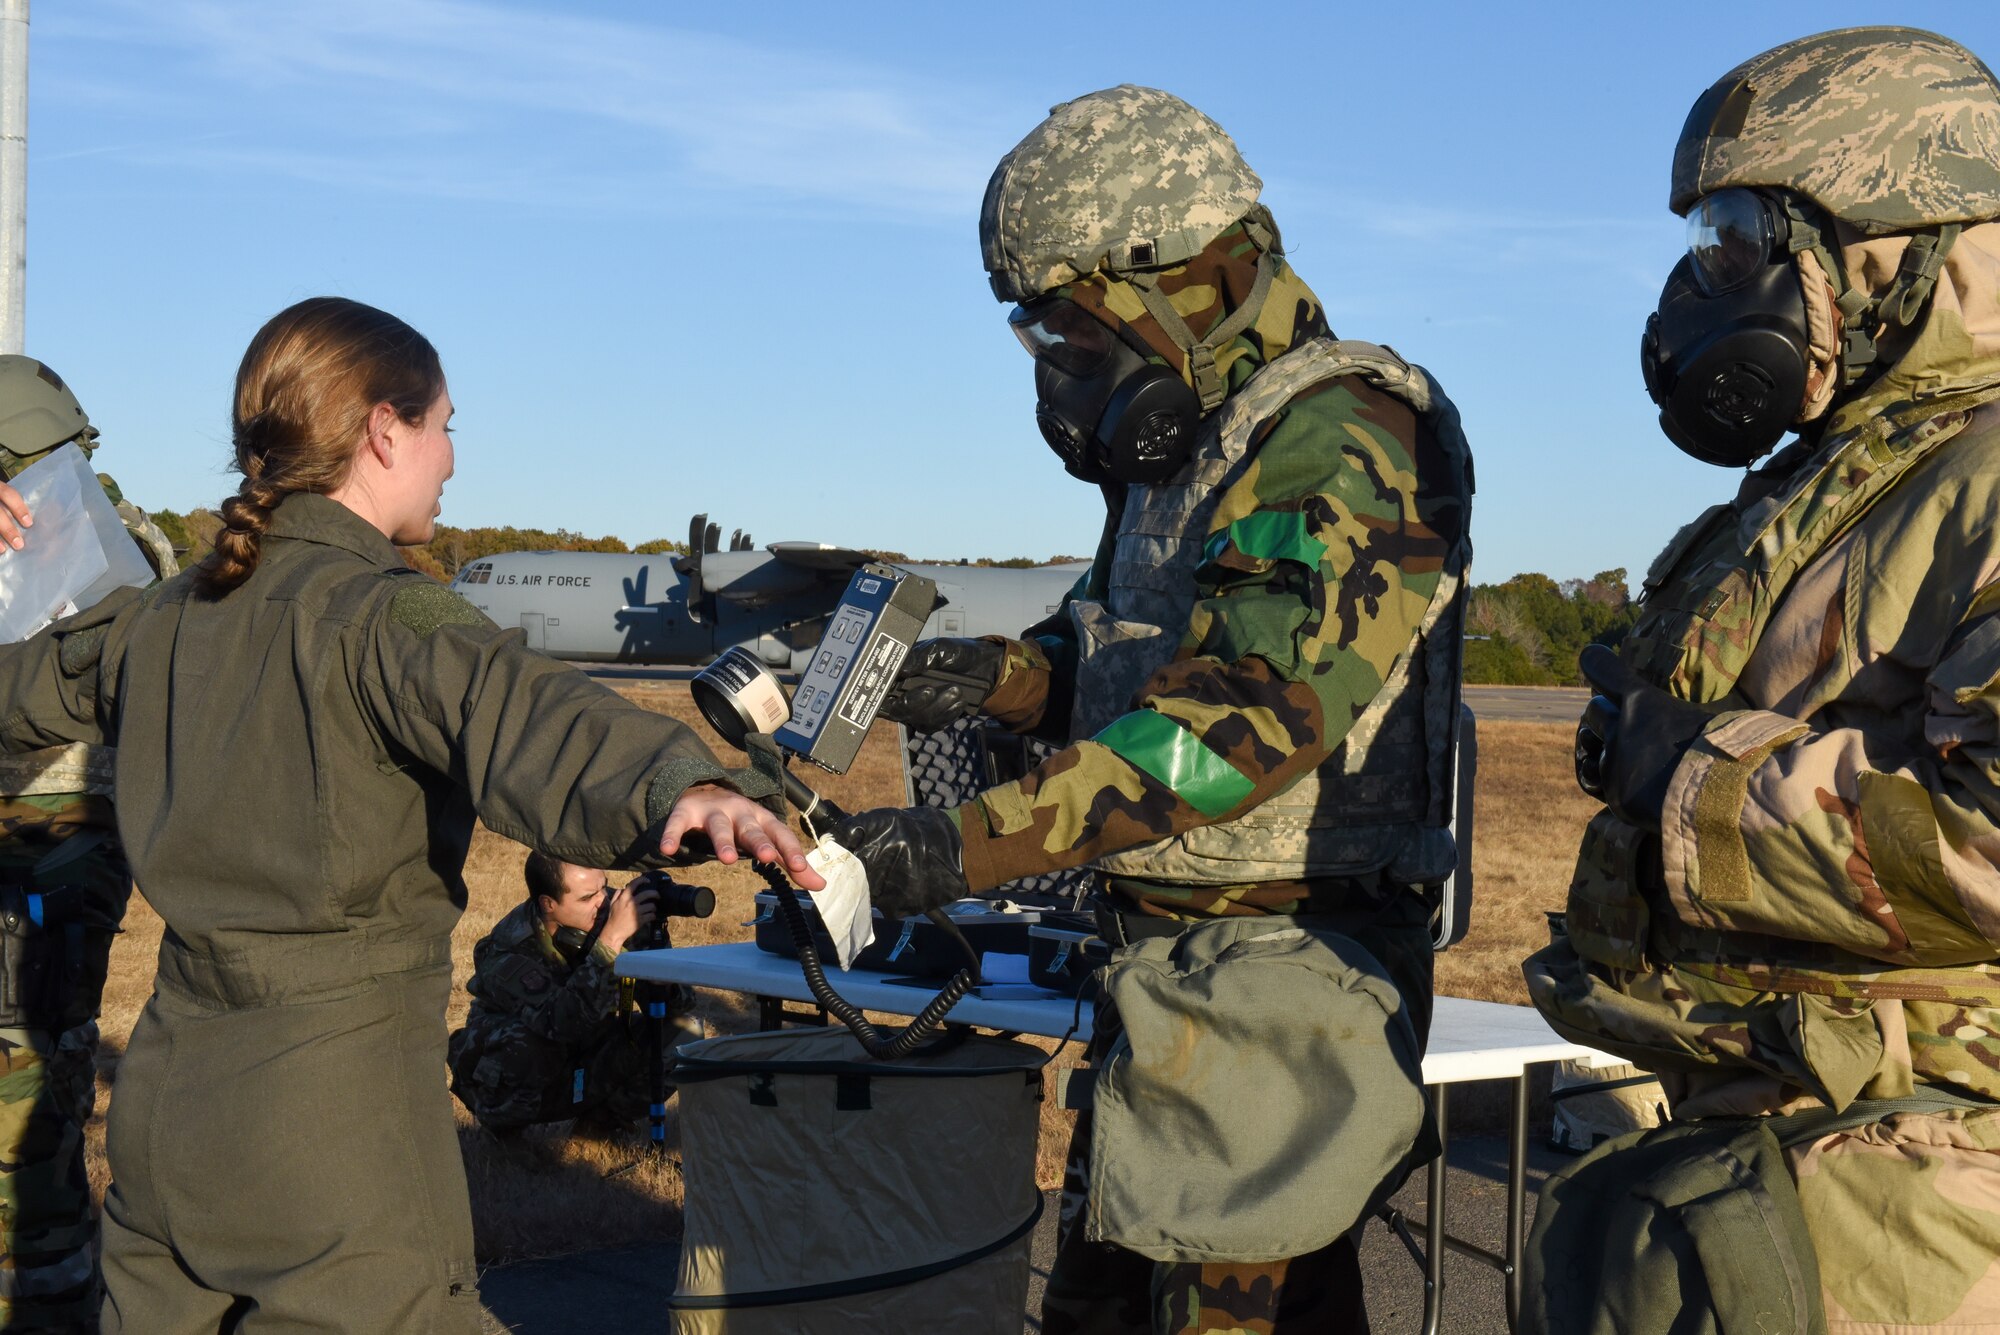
{"x":385,"y":88}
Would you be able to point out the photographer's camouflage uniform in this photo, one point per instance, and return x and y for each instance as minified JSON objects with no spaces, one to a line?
{"x":1819,"y":919}
{"x":548,"y":1038}
{"x":1257,"y":675}
{"x":64,"y":885}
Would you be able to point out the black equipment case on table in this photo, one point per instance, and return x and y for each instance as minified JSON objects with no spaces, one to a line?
{"x":1064,"y":951}
{"x":915,"y":947}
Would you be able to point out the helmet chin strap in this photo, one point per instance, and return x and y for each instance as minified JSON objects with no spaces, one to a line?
{"x":1899,"y":305}
{"x":1208,"y":382}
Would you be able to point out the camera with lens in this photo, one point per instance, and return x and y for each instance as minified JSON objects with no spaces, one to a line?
{"x":672,"y":899}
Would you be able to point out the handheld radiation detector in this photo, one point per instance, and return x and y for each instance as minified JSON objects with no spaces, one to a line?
{"x":866,"y":639}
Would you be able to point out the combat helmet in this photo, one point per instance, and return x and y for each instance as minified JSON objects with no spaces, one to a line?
{"x":37,"y":413}
{"x":1130,"y":182}
{"x":1125,"y":179}
{"x":1889,"y":129}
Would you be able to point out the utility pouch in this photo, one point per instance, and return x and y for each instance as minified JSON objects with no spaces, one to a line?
{"x":1264,"y":1095}
{"x":53,"y":958}
{"x":1692,"y":1228}
{"x":1607,"y":914}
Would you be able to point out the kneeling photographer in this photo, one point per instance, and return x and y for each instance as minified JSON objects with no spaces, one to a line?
{"x":548,"y":1038}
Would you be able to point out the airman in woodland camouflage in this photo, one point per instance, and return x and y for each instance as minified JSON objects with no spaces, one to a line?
{"x":1255,"y":681}
{"x":549,"y":1036}
{"x":63,"y":889}
{"x":1790,"y":902}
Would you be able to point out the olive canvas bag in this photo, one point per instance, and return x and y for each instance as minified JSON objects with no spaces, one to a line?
{"x":1692,"y":1228}
{"x":1264,"y":1094}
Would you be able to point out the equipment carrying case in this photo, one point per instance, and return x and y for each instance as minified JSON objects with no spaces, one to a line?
{"x":828,"y":1192}
{"x":1064,"y":951}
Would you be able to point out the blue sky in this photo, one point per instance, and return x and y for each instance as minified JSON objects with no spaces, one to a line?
{"x":684,"y":258}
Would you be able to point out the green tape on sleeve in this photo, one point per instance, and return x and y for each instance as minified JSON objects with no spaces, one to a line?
{"x":1270,"y":535}
{"x":1176,"y":757}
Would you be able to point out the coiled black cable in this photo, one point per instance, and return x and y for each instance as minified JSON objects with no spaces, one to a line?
{"x":916,"y":1039}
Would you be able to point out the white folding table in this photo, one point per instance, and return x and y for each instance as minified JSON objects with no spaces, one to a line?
{"x":1469,"y":1041}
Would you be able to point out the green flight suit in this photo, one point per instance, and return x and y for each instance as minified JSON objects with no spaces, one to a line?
{"x":299,"y":766}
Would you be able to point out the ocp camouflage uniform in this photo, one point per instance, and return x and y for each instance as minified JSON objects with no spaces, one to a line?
{"x":1246,"y":676}
{"x":1820,"y":918}
{"x":64,"y":885}
{"x":547,"y":1037}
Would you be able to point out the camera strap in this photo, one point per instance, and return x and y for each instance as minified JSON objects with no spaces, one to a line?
{"x":590,"y":937}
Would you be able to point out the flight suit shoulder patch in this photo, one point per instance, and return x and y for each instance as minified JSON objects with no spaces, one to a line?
{"x":422,"y":606}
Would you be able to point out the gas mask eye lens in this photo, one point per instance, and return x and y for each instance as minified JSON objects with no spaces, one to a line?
{"x":1060,"y":333}
{"x":1731,"y":235}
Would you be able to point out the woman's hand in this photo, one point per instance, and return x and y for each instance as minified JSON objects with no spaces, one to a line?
{"x":14,"y":516}
{"x":732,"y":821}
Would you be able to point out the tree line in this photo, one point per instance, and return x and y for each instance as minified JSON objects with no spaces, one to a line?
{"x":451,"y":548}
{"x":1527,"y":631}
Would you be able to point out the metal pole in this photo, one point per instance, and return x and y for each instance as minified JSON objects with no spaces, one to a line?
{"x":13,"y":174}
{"x":1434,"y":1234}
{"x":1517,"y":1197}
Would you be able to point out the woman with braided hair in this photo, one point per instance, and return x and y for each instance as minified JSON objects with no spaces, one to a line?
{"x":306,"y":730}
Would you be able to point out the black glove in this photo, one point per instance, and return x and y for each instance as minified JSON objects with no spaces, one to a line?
{"x":942,"y":681}
{"x":1631,"y":738}
{"x":913,"y":855}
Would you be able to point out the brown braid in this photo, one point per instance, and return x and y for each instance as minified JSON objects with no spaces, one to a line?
{"x":304,"y":391}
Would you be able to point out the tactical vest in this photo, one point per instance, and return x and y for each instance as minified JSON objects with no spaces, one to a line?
{"x":1383,"y":799}
{"x":1708,"y":598}
{"x":1709,"y":595}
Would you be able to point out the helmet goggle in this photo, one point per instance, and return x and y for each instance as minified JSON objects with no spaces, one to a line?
{"x":1063,"y":334}
{"x":1732,"y":234}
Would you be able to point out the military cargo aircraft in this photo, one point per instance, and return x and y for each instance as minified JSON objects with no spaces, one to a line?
{"x":601,"y":607}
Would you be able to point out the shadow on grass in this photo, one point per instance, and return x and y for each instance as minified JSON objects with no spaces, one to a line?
{"x":608,"y":1208}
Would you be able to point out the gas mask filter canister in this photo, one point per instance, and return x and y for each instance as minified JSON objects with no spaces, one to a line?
{"x":1108,"y":413}
{"x":1726,"y":356}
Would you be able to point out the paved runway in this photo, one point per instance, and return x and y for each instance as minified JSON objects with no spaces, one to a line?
{"x":625,"y":1288}
{"x":1527,"y":704}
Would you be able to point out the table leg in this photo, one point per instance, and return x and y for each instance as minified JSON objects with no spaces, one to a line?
{"x":1517,"y":1197}
{"x":1434,"y":1234}
{"x":770,"y":1013}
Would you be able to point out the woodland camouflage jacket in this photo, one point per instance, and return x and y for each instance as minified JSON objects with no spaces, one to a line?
{"x":1322,"y":558}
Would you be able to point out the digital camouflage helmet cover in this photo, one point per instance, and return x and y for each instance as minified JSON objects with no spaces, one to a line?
{"x":1124,"y":179}
{"x":1886,"y":128}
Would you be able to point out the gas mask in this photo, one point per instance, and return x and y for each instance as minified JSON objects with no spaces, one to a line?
{"x":1726,"y":356}
{"x":1108,"y":413}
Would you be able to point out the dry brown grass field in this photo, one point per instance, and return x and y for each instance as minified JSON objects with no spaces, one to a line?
{"x":563,"y":1193}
